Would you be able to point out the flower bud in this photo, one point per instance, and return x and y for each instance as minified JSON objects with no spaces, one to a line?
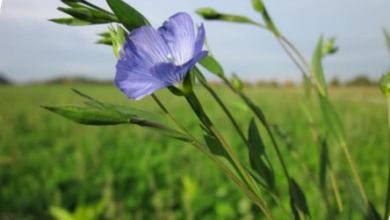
{"x":118,"y":39}
{"x":384,"y":84}
{"x":237,"y":83}
{"x":208,"y":13}
{"x":79,"y":13}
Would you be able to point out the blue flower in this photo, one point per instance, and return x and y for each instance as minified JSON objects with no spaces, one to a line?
{"x":154,"y":59}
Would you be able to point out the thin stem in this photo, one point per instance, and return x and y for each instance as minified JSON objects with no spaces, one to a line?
{"x":240,"y":132}
{"x":354,"y":171}
{"x":305,"y":63}
{"x":262,"y":205}
{"x":388,"y":181}
{"x":316,"y":138}
{"x":267,"y":127}
{"x":336,"y":190}
{"x":196,"y":106}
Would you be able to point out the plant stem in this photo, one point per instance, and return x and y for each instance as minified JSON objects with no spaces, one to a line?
{"x":354,"y":171}
{"x":262,"y":205}
{"x":388,"y":178}
{"x":196,"y":106}
{"x":239,"y":131}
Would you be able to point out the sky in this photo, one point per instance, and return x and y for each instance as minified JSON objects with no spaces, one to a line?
{"x":34,"y":49}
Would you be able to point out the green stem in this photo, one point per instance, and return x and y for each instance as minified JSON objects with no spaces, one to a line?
{"x":388,"y":180}
{"x":262,"y":205}
{"x":196,"y":106}
{"x":265,"y":123}
{"x":239,"y":131}
{"x":354,"y":171}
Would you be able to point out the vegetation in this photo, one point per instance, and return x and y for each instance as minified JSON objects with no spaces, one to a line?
{"x":51,"y":167}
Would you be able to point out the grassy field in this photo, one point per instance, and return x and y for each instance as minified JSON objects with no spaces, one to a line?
{"x":125,"y":172}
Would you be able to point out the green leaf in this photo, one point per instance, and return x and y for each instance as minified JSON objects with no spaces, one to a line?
{"x":329,"y":47}
{"x":70,"y":21}
{"x":60,"y":214}
{"x":211,"y":14}
{"x":237,"y":83}
{"x":127,"y":15}
{"x":89,"y":14}
{"x":354,"y":196}
{"x":112,"y":114}
{"x":307,"y":85}
{"x":106,"y":41}
{"x":259,"y":6}
{"x":298,"y":201}
{"x":87,"y":116}
{"x":217,"y":149}
{"x":258,"y":158}
{"x":212,"y":65}
{"x":324,"y":159}
{"x":118,"y":39}
{"x":332,"y":119}
{"x":317,"y":67}
{"x":79,"y":13}
{"x":387,"y":36}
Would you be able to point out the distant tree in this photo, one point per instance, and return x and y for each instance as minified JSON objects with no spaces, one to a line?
{"x":288,"y":84}
{"x":4,"y":80}
{"x":335,"y":82}
{"x":359,"y":81}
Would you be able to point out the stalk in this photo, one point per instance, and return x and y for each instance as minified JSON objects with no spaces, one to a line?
{"x":197,"y":108}
{"x":239,"y":131}
{"x":388,"y":178}
{"x":259,"y":202}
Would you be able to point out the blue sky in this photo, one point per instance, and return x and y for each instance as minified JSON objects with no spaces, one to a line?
{"x":33,"y":49}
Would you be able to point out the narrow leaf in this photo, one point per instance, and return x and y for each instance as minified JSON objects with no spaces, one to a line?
{"x":127,"y":15}
{"x":211,"y":14}
{"x":258,"y":158}
{"x":212,"y":65}
{"x":70,"y":21}
{"x":86,"y":116}
{"x":387,"y":36}
{"x":307,"y":85}
{"x":317,"y":67}
{"x":332,"y":119}
{"x":298,"y":201}
{"x":324,"y":158}
{"x":105,"y":41}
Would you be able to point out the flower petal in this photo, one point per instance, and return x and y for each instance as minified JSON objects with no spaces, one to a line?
{"x":135,"y":80}
{"x":179,"y":34}
{"x":145,"y":44}
{"x":199,"y":40}
{"x":172,"y":74}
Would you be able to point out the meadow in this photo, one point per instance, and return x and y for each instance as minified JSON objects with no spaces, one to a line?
{"x":49,"y":164}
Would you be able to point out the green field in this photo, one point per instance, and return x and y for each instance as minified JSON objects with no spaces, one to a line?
{"x":127,"y":172}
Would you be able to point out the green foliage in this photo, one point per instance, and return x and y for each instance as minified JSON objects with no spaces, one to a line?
{"x":237,"y":83}
{"x":117,"y":38}
{"x":211,"y":14}
{"x":46,"y":161}
{"x":127,"y":15}
{"x":259,"y":6}
{"x":332,"y":120}
{"x":317,"y":67}
{"x":385,"y":84}
{"x":212,"y":65}
{"x":70,"y":21}
{"x":258,"y":158}
{"x":298,"y":201}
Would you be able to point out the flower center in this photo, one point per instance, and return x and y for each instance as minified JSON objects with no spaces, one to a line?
{"x":170,"y":58}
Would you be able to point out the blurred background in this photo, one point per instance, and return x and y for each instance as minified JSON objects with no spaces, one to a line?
{"x":51,"y":167}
